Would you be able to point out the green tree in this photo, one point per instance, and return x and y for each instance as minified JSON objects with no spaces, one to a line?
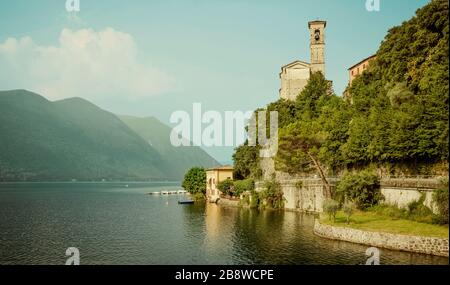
{"x":226,"y":187}
{"x":242,"y":186}
{"x":246,"y":162}
{"x":362,"y":188}
{"x":195,"y":181}
{"x":331,"y":207}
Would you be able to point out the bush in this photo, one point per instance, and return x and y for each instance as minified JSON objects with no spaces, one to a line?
{"x":242,"y":186}
{"x":440,"y":198}
{"x":414,"y":212}
{"x":226,"y":187}
{"x":347,"y":208}
{"x":417,"y":211}
{"x":198,"y":197}
{"x":195,"y":181}
{"x":255,"y":200}
{"x":331,"y":207}
{"x":362,"y":188}
{"x":271,"y":196}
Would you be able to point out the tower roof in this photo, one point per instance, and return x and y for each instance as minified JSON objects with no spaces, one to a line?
{"x":317,"y":22}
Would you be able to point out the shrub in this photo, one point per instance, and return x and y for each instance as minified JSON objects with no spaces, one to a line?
{"x":271,"y":196}
{"x":198,"y":197}
{"x":440,"y":198}
{"x":242,"y":186}
{"x":226,"y":187}
{"x":255,"y":200}
{"x":347,"y":208}
{"x":414,"y":212}
{"x":417,"y":211}
{"x":195,"y":181}
{"x":331,"y":207}
{"x":362,"y":188}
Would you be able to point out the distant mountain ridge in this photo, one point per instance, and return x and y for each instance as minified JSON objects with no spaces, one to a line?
{"x":73,"y":139}
{"x":157,"y":134}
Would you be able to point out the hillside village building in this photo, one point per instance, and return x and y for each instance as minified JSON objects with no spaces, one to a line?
{"x":295,"y":75}
{"x":213,"y":177}
{"x":359,"y":68}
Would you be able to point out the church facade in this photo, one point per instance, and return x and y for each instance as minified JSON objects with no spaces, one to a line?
{"x":295,"y":75}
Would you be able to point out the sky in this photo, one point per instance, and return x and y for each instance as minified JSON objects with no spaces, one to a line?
{"x":152,"y":58}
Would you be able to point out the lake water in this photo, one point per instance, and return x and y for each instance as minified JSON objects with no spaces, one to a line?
{"x":114,"y":224}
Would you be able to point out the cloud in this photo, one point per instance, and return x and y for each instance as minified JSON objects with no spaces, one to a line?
{"x":85,"y":63}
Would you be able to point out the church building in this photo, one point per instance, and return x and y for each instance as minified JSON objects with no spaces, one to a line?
{"x":295,"y":75}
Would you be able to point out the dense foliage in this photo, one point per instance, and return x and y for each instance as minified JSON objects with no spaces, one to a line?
{"x":195,"y":181}
{"x":363,"y":189}
{"x":242,"y":186}
{"x":226,"y":187}
{"x":272,"y":196}
{"x":246,"y":162}
{"x":396,"y":113}
{"x":441,"y":199}
{"x":400,"y":105}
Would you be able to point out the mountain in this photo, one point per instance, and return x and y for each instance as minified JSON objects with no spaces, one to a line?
{"x":74,"y":139}
{"x":158,"y":136}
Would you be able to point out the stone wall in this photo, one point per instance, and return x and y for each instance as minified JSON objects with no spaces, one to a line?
{"x":228,"y":202}
{"x":426,"y":245}
{"x":402,"y":191}
{"x":301,"y":194}
{"x":309,"y":197}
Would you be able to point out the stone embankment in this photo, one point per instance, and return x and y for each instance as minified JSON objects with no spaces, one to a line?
{"x":417,"y":244}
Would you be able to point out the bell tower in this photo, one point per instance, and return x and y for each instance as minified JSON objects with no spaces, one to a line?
{"x":317,"y":45}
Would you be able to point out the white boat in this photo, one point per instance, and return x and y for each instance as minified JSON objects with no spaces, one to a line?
{"x":181,"y":191}
{"x":165,"y":192}
{"x":172,"y":192}
{"x":154,"y":193}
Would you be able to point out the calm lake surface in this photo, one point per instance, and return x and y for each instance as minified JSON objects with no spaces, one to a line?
{"x":113,"y":224}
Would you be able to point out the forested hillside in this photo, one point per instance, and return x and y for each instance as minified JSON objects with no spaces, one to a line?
{"x":73,"y":139}
{"x":395,"y":119}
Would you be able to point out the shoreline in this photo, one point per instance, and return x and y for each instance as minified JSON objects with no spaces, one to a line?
{"x":416,"y":244}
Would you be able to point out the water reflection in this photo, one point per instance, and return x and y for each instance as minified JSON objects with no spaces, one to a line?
{"x":114,"y":225}
{"x":276,"y":237}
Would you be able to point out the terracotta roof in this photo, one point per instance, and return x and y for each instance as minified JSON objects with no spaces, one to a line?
{"x":223,"y":167}
{"x":370,"y":57}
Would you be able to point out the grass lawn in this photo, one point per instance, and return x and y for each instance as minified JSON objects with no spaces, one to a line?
{"x":372,"y":221}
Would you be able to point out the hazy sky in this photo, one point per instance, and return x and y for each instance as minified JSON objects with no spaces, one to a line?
{"x":154,"y":57}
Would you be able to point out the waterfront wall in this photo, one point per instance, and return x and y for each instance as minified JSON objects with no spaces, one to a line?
{"x":301,"y":194}
{"x":402,"y":191}
{"x":418,"y":244}
{"x":307,"y":193}
{"x":228,"y":202}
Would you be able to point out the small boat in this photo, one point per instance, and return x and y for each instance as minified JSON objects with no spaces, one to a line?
{"x":186,"y":202}
{"x":181,"y":191}
{"x":154,"y":193}
{"x":165,"y":192}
